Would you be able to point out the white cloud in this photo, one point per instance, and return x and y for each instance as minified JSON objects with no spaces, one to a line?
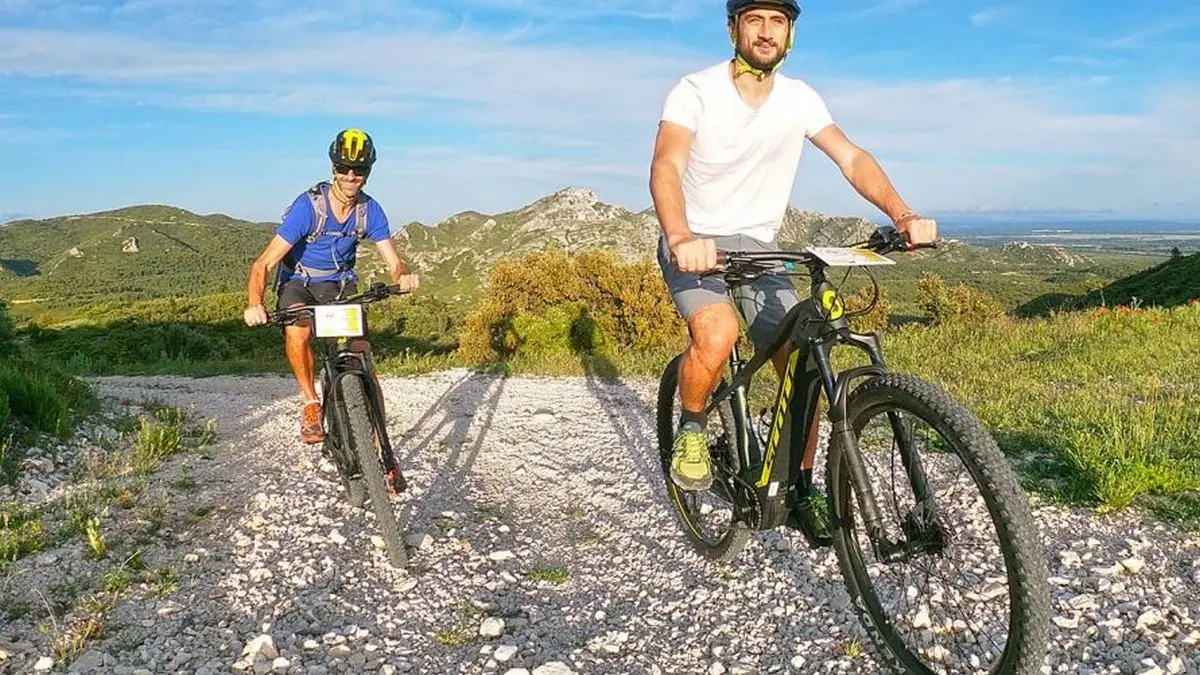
{"x":537,"y":116}
{"x":471,"y":76}
{"x":990,"y":15}
{"x":1143,"y":37}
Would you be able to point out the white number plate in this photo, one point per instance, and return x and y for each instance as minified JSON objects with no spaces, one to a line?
{"x":338,"y":320}
{"x":838,"y":256}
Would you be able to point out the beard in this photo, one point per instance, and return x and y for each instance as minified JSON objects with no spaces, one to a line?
{"x":749,"y":56}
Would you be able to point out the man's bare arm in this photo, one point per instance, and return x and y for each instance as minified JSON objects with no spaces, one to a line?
{"x":862,"y":171}
{"x":396,"y":266}
{"x":256,"y":286}
{"x":671,"y":149}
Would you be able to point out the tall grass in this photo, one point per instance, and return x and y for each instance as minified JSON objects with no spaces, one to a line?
{"x":34,"y":397}
{"x":1105,"y":401}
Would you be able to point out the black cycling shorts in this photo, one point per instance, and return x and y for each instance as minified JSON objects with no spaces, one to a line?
{"x":295,"y":292}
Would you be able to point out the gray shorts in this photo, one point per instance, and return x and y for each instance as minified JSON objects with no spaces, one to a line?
{"x":763,"y":303}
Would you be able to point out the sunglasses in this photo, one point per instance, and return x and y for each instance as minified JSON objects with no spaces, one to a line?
{"x":344,"y":169}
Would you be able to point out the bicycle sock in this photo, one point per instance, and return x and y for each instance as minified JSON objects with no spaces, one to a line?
{"x":697,"y":419}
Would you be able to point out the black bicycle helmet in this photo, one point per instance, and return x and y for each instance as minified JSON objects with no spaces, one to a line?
{"x":352,"y":147}
{"x":789,"y":7}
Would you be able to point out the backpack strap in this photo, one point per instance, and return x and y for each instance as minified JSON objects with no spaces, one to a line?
{"x":316,"y":195}
{"x":360,"y":215}
{"x":321,"y":215}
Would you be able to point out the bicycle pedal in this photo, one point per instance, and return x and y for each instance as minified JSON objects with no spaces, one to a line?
{"x":803,"y":519}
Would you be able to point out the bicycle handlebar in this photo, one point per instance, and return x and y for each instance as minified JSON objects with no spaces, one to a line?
{"x":884,"y":240}
{"x":376,"y":292}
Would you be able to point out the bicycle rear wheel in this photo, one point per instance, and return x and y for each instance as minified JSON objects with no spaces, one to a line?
{"x":365,"y":445}
{"x":985,"y":606}
{"x":715,"y":519}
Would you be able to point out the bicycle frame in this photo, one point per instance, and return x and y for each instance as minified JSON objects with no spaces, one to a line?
{"x":780,"y":467}
{"x":340,"y":360}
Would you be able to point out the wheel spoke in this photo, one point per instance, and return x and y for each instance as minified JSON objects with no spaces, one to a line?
{"x":967,"y":589}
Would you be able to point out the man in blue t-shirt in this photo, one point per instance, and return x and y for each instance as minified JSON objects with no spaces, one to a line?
{"x":315,"y":249}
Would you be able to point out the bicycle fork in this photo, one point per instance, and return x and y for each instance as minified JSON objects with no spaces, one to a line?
{"x":375,"y":409}
{"x":920,"y":525}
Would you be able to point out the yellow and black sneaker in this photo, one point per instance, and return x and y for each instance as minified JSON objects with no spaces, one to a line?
{"x":689,"y":459}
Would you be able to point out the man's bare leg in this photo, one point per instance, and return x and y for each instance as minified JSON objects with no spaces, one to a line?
{"x":300,"y":356}
{"x":714,"y":329}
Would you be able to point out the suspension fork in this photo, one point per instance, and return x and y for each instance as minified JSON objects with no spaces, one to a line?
{"x":909,"y":459}
{"x":366,"y":372}
{"x":836,"y":390}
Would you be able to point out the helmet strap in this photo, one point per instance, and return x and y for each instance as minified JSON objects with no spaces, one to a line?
{"x":337,"y":193}
{"x":741,"y":66}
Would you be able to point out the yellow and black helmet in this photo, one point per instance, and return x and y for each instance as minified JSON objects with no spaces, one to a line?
{"x":352,"y":147}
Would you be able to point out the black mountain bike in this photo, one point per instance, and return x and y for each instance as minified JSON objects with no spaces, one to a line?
{"x":914,"y":484}
{"x":356,"y":438}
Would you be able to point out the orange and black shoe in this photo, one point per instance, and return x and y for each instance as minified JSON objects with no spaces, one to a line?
{"x":311,"y":429}
{"x":396,"y":481}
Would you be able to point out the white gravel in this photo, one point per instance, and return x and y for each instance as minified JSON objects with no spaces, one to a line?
{"x":555,"y":478}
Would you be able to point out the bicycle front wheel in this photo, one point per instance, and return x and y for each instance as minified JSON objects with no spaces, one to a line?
{"x":366,"y":446}
{"x":968,"y":593}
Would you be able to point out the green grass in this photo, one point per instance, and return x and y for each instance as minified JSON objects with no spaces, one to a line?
{"x":554,"y":575}
{"x":33,"y":397}
{"x":21,"y":533}
{"x":467,"y":625}
{"x":1104,"y":400}
{"x":11,"y":456}
{"x":155,"y":442}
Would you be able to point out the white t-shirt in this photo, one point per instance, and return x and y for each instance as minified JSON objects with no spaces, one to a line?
{"x":743,"y":161}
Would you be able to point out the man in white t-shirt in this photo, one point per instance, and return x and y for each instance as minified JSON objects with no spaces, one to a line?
{"x":725,"y":159}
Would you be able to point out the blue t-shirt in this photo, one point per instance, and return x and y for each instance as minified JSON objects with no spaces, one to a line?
{"x":328,"y":252}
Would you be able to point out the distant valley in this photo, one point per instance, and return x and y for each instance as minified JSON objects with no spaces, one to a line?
{"x":150,"y":251}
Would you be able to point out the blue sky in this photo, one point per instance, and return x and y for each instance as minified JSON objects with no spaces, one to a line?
{"x":1089,"y":106}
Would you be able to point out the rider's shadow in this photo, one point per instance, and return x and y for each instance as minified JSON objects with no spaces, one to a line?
{"x":466,"y":409}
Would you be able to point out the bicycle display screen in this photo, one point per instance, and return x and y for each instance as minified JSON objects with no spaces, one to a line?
{"x":338,"y":320}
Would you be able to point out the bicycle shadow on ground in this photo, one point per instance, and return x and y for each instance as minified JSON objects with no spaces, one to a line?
{"x":459,"y":432}
{"x":592,"y":515}
{"x":260,"y":483}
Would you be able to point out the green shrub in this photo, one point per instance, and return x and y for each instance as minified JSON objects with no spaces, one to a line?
{"x":955,"y":304}
{"x":33,"y":398}
{"x":874,"y":320}
{"x":553,"y":303}
{"x":8,"y":332}
{"x":420,"y":318}
{"x":562,"y":329}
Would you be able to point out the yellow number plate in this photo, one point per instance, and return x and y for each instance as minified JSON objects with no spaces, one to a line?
{"x":338,"y":320}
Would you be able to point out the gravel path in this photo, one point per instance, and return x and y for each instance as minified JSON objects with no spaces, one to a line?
{"x":544,"y":544}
